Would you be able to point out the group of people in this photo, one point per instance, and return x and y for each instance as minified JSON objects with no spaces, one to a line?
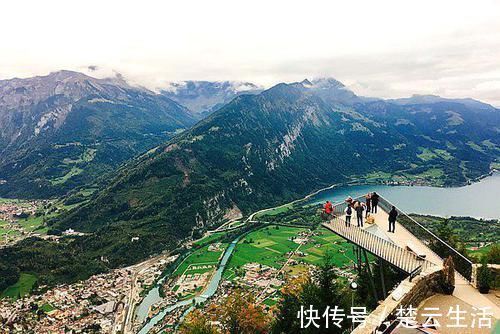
{"x":370,"y":205}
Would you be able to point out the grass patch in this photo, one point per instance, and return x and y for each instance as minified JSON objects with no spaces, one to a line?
{"x":340,"y":251}
{"x":378,"y":175}
{"x":275,"y":211}
{"x":209,"y":239}
{"x":23,"y":286}
{"x":47,"y":308}
{"x":266,"y":246}
{"x":270,"y":245}
{"x":489,"y":144}
{"x":443,"y":154}
{"x":426,"y":154}
{"x":200,"y":257}
{"x":480,"y":252}
{"x":475,"y":146}
{"x":73,"y":172}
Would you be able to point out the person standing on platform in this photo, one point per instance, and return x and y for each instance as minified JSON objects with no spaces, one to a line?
{"x":375,"y":197}
{"x":348,"y":215}
{"x":328,"y":209}
{"x":368,"y":199}
{"x":393,"y":214}
{"x":359,"y":207}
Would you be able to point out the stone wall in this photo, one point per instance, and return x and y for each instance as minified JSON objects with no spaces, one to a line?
{"x":413,"y":292}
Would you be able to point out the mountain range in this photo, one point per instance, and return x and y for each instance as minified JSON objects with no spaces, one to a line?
{"x":258,"y":150}
{"x":205,"y":97}
{"x":63,"y":130}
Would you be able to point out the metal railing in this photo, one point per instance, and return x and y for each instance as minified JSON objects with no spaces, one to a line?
{"x":382,"y":248}
{"x":442,"y":249}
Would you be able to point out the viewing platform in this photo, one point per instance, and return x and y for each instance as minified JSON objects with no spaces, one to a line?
{"x":413,"y":249}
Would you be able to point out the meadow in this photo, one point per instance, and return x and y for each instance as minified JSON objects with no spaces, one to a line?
{"x":200,"y":257}
{"x":23,"y":286}
{"x":270,"y":245}
{"x":209,"y":239}
{"x":327,"y":243}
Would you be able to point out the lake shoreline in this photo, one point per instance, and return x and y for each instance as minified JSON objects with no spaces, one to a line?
{"x":475,"y":200}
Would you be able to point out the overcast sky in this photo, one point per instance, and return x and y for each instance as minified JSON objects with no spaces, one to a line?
{"x":377,"y":48}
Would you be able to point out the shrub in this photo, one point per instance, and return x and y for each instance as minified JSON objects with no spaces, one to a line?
{"x":484,"y":277}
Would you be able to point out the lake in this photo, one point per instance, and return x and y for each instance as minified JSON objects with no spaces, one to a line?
{"x":479,"y":200}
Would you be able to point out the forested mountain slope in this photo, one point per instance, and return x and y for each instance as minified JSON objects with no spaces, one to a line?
{"x":255,"y":152}
{"x":61,"y":131}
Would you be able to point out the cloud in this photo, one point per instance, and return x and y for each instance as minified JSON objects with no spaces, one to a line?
{"x":386,"y":48}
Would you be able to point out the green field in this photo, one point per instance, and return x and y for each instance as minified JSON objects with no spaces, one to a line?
{"x":269,"y":246}
{"x":426,"y":154}
{"x":47,"y":308}
{"x":479,"y":253}
{"x":266,"y":246}
{"x":209,"y":239}
{"x":199,"y":257}
{"x":33,"y":223}
{"x":340,"y":251}
{"x":275,"y":211}
{"x":73,"y":172}
{"x":5,"y":230}
{"x":378,"y":175}
{"x":21,"y":288}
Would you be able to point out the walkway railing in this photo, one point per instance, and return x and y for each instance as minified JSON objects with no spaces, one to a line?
{"x":382,"y":248}
{"x":442,"y":249}
{"x":436,"y":244}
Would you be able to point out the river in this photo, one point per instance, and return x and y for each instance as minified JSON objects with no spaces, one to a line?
{"x":154,"y":296}
{"x":479,"y":200}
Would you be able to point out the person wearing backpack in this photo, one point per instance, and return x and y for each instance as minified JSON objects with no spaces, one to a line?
{"x":348,"y":214}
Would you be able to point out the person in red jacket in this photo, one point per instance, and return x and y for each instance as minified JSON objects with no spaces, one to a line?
{"x":328,"y":208}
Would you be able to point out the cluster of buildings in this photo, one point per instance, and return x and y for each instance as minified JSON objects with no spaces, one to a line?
{"x":260,"y":276}
{"x":94,"y":305}
{"x":191,"y":283}
{"x":11,"y":212}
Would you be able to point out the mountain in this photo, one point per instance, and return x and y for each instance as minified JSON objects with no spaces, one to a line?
{"x":255,"y":152}
{"x":432,"y":99}
{"x":333,"y":91}
{"x":204,"y":97}
{"x":63,"y":130}
{"x":260,"y":150}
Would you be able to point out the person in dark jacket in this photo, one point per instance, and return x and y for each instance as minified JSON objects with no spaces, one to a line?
{"x":368,"y":199}
{"x":393,"y":214}
{"x":359,"y":207}
{"x":375,"y":198}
